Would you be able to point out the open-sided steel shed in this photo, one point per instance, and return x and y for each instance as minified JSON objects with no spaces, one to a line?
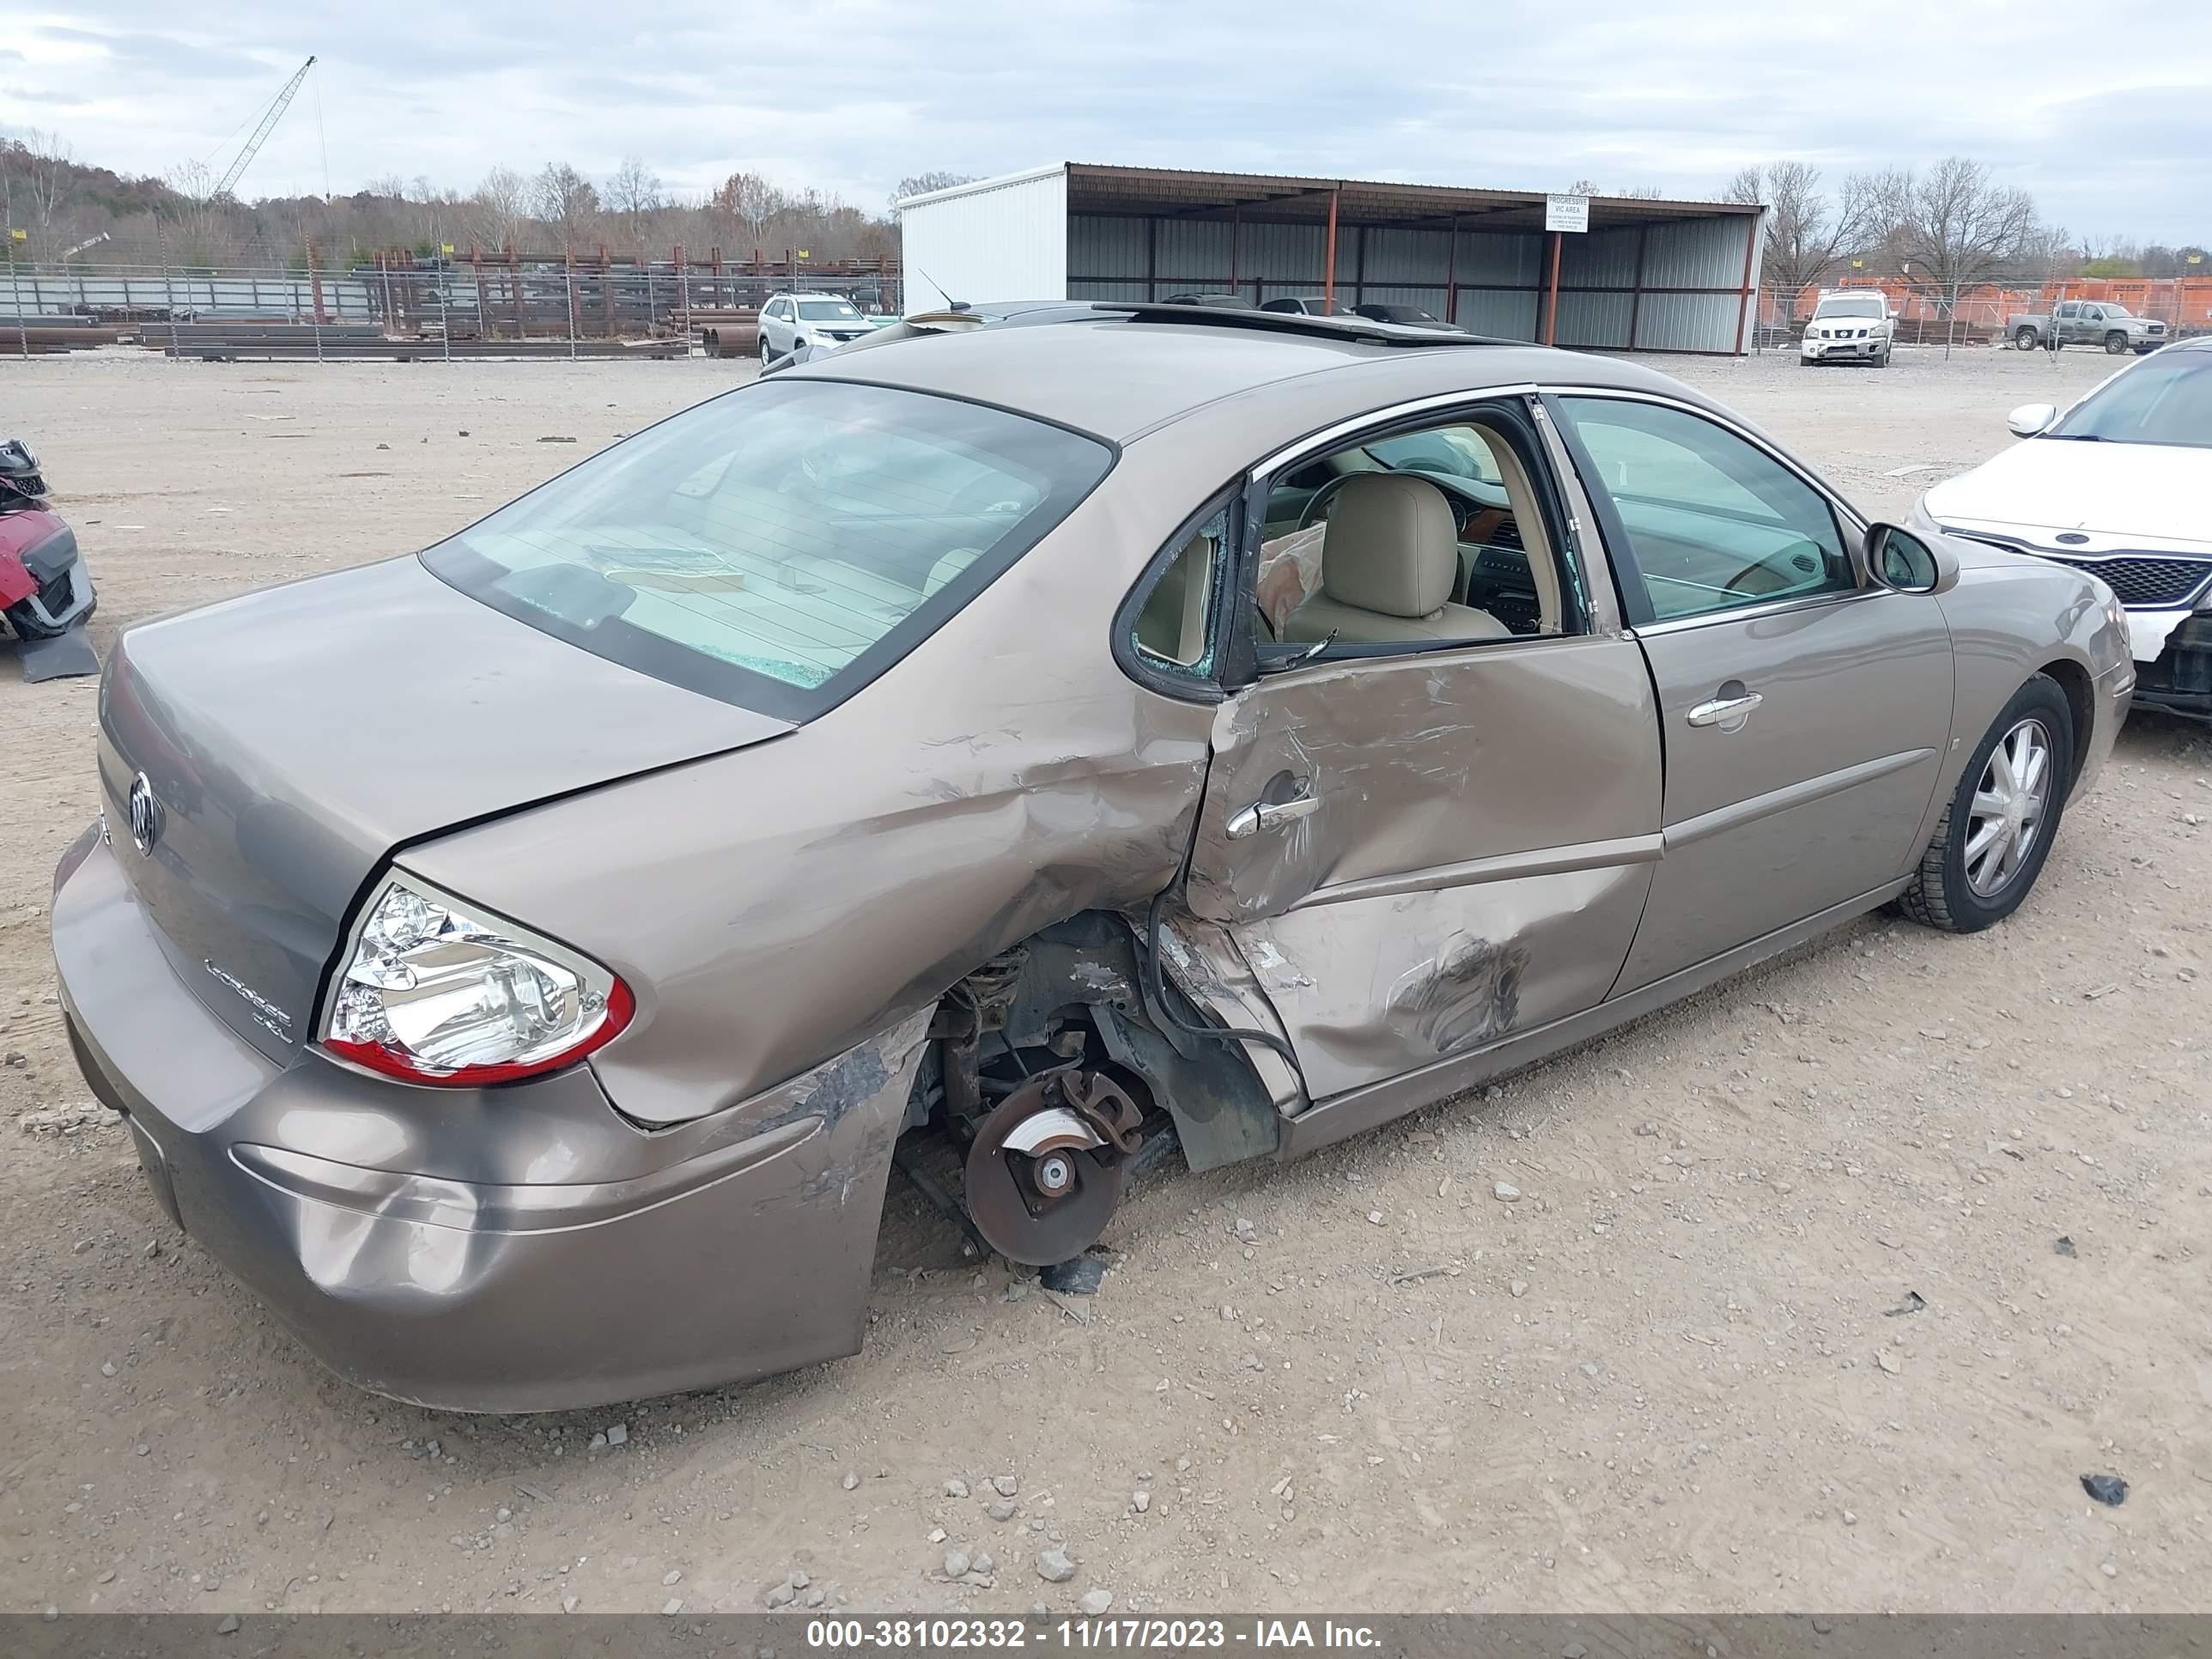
{"x":1648,"y":275}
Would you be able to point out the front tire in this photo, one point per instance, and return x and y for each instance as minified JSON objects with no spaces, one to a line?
{"x":1997,"y":830}
{"x":2116,"y":343}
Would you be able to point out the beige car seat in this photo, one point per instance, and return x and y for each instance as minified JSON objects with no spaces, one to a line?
{"x":1389,"y":564}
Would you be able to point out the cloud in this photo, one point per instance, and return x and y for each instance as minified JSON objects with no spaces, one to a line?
{"x":849,"y":97}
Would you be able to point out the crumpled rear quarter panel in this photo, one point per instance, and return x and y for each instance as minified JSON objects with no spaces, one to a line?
{"x":781,"y":903}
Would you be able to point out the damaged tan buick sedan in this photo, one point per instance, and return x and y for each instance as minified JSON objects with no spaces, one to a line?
{"x":521,"y":962}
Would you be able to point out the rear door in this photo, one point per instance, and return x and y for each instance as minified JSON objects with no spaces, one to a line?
{"x":1804,"y":711}
{"x":1423,"y":847}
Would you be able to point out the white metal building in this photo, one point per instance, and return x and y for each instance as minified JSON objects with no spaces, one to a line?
{"x":1647,"y":274}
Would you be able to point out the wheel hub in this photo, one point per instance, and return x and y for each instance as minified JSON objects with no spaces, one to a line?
{"x":1045,"y":1169}
{"x":2008,"y":809}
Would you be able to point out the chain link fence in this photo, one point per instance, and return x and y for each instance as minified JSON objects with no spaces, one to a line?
{"x":484,"y":305}
{"x":1990,"y":313}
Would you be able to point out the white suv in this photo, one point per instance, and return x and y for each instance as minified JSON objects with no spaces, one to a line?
{"x":1853,"y":326}
{"x":824,"y":321}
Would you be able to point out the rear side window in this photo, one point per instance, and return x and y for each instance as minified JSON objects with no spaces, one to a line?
{"x":780,"y":546}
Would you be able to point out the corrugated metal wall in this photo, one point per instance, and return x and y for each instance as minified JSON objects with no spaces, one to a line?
{"x":1675,"y":286}
{"x":1009,"y":240}
{"x":1501,"y":278}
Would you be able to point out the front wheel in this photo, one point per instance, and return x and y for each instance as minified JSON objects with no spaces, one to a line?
{"x":2116,"y":343}
{"x":1883,"y":361}
{"x":1997,"y":830}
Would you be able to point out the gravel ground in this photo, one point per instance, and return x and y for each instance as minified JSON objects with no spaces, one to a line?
{"x":1821,"y":1291}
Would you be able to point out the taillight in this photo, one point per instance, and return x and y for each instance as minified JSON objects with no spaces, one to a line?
{"x":433,"y":993}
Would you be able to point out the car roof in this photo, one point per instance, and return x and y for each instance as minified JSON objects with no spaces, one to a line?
{"x":1119,"y":376}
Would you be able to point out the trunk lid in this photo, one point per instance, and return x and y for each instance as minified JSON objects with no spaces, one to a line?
{"x":291,"y":739}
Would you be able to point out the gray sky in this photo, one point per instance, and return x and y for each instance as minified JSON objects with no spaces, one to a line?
{"x":2103,"y":109}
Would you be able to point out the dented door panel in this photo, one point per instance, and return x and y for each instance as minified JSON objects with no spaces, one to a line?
{"x":1376,"y":988}
{"x":1475,"y":860}
{"x":1204,"y":962}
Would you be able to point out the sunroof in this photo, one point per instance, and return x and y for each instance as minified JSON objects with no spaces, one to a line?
{"x":1364,"y":330}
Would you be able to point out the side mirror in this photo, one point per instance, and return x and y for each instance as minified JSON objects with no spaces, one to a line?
{"x":1902,"y":562}
{"x":2031,"y":418}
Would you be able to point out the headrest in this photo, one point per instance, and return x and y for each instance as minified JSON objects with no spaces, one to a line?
{"x":1391,"y":546}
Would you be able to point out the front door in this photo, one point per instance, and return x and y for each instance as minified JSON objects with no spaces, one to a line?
{"x":1804,"y":711}
{"x":1425,"y":844}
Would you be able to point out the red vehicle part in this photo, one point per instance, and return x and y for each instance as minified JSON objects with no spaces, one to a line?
{"x":16,"y":583}
{"x":44,"y":588}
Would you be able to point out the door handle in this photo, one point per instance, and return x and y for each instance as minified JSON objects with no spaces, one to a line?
{"x":1272,"y":815}
{"x":1728,"y":712}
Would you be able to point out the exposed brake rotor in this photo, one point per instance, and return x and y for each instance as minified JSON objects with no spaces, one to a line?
{"x":1044,"y":1171}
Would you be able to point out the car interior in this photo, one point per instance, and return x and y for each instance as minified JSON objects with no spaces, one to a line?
{"x":1172,"y":625}
{"x":1431,"y":535}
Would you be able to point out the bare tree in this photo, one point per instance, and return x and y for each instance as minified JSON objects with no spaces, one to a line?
{"x":500,"y":210}
{"x":748,"y":201}
{"x":566,"y":201}
{"x":634,"y":192}
{"x":1956,"y":226}
{"x":37,"y":168}
{"x":1806,"y":233}
{"x":922,"y":183}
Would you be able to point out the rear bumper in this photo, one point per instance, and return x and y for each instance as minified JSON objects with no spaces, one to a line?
{"x":519,"y":1250}
{"x":62,"y":596}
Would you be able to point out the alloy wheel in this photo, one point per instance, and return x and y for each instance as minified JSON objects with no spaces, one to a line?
{"x":2007,"y":812}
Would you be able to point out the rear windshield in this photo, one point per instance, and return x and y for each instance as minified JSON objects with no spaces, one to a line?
{"x":1852,"y":308}
{"x":2165,"y":400}
{"x":780,"y":546}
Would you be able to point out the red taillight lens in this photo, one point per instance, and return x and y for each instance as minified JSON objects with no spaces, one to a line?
{"x":437,"y":993}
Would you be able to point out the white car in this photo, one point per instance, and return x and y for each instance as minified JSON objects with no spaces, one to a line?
{"x":824,"y":321}
{"x":2119,"y":485}
{"x":1852,"y":326}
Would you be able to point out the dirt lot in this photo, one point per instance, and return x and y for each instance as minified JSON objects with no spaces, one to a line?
{"x":1678,"y":1373}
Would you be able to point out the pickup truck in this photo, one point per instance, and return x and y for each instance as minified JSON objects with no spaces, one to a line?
{"x":2089,"y":322}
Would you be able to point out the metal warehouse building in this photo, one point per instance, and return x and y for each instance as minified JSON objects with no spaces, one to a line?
{"x":1650,"y":276}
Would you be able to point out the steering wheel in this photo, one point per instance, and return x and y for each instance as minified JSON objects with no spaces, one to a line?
{"x":1741,"y":583}
{"x":1311,"y":510}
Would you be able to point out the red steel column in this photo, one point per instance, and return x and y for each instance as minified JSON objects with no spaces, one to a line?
{"x":1635,"y":299}
{"x":1328,"y":271}
{"x":1451,"y":273}
{"x":1743,"y":293}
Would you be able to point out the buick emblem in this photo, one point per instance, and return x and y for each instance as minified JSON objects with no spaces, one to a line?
{"x":145,"y":814}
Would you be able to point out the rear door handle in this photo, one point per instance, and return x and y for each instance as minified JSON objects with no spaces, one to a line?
{"x":1727,"y":712}
{"x":1272,"y":815}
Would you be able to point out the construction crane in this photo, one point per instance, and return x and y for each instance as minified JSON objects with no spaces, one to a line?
{"x":269,"y":120}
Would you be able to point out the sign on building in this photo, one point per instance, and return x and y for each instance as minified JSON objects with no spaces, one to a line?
{"x":1566,"y":213}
